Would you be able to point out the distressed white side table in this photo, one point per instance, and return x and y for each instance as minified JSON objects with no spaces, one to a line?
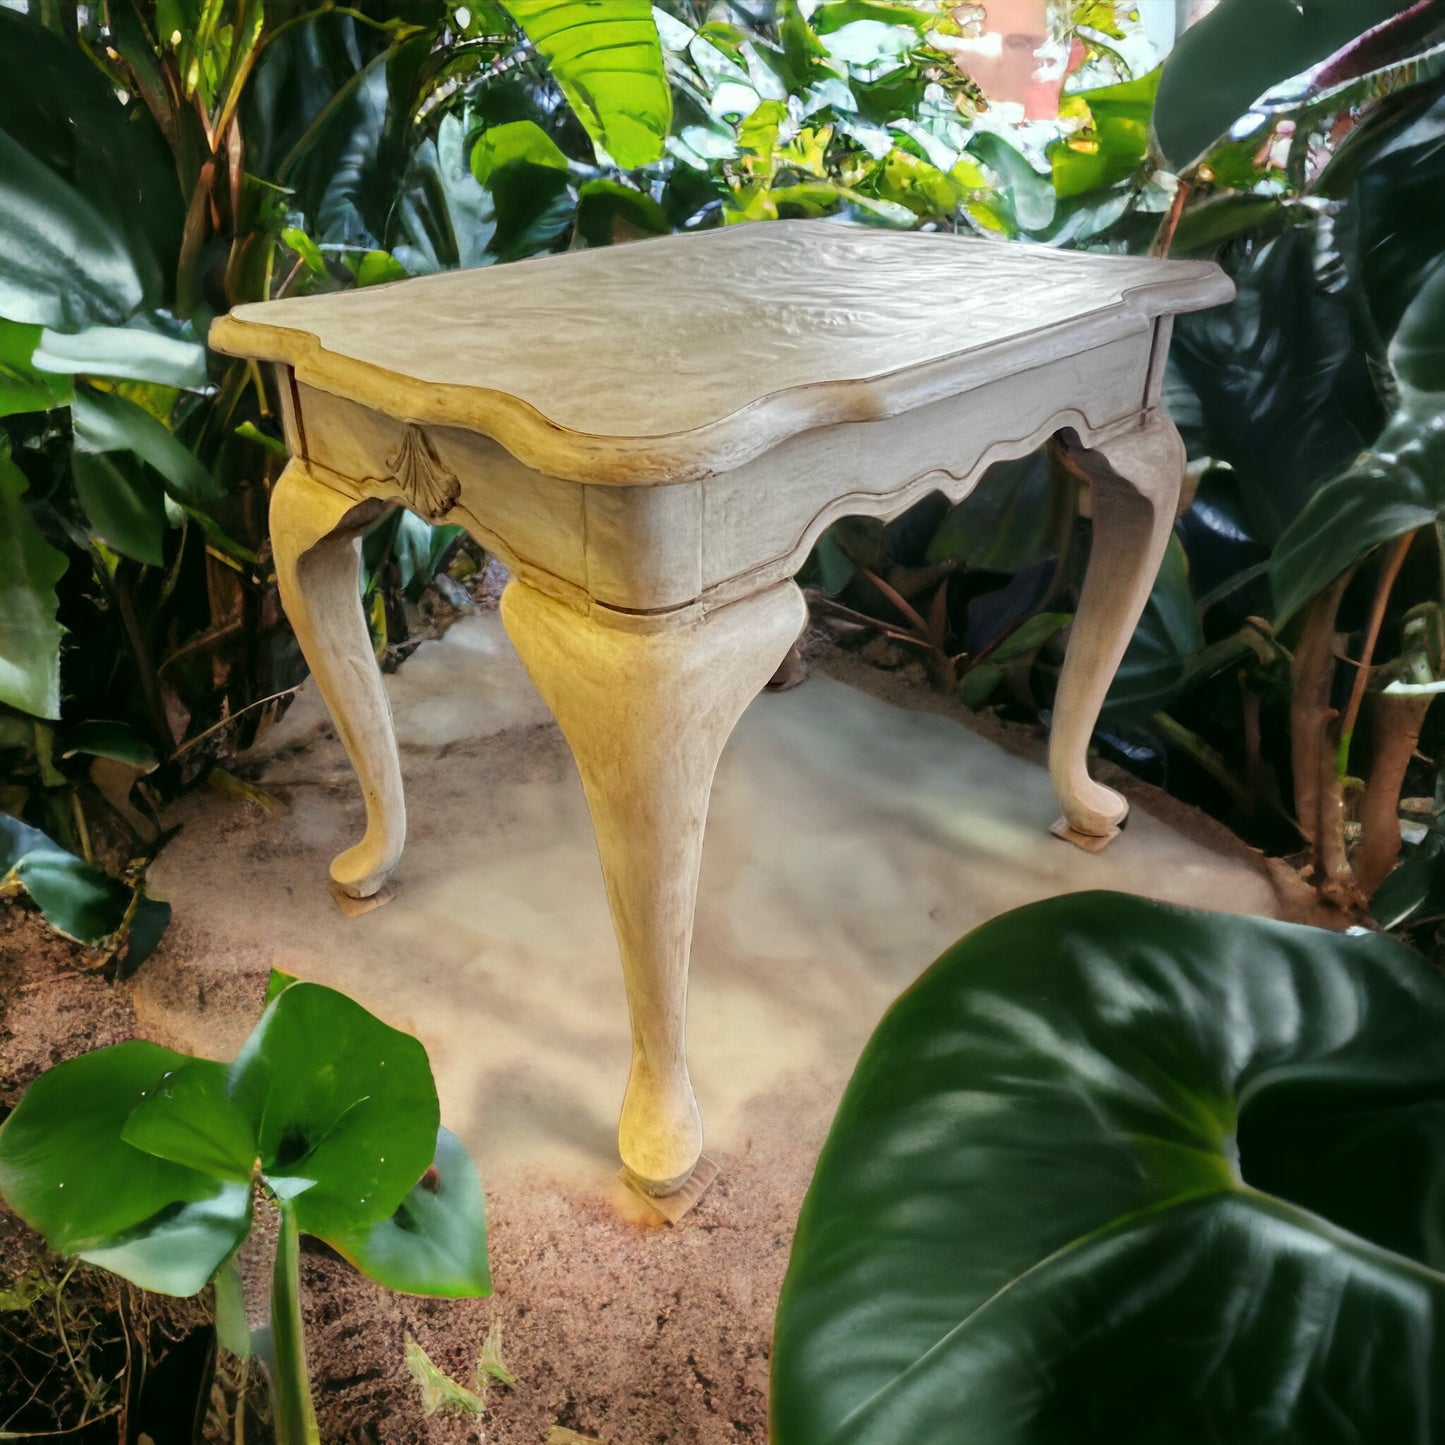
{"x":652,"y":437}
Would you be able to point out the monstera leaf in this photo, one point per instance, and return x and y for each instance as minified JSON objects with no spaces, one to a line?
{"x":1116,"y":1171}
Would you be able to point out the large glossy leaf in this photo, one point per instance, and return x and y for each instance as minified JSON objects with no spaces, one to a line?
{"x":1116,"y":1171}
{"x":436,"y":1242}
{"x":107,"y":422}
{"x":62,"y":263}
{"x":125,"y":353}
{"x":77,"y":899}
{"x":124,"y":503}
{"x":57,"y":104}
{"x":607,"y":58}
{"x":1284,"y":388}
{"x":1397,"y":487}
{"x":64,"y":1167}
{"x":344,"y":1107}
{"x":29,"y":634}
{"x":1237,"y":52}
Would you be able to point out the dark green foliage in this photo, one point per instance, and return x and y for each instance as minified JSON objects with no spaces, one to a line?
{"x":1118,"y":1171}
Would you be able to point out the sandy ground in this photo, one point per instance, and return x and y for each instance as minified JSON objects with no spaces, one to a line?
{"x":851,"y":840}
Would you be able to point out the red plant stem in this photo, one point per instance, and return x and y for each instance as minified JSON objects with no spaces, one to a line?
{"x":1386,"y":585}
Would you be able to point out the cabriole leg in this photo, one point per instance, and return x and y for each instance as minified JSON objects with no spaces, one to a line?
{"x":1135,"y":482}
{"x":316,"y":542}
{"x":646,"y":715}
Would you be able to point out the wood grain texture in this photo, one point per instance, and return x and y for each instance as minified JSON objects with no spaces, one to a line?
{"x":316,"y":542}
{"x":669,"y":359}
{"x":1135,"y":479}
{"x":646,"y":716}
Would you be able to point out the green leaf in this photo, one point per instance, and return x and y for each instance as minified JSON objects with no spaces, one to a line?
{"x":518,"y":140}
{"x":305,"y":248}
{"x":1014,"y":516}
{"x":436,"y":1242}
{"x":179,"y":1252}
{"x":607,"y":58}
{"x":375,"y":268}
{"x":344,"y":1107}
{"x":22,"y":387}
{"x":1117,"y":1171}
{"x":1027,"y":196}
{"x":106,"y":422}
{"x":1167,"y":638}
{"x":64,"y":1168}
{"x":61,"y":263}
{"x":609,"y":212}
{"x":1283,"y":384}
{"x":1417,"y":353}
{"x":29,"y":633}
{"x":191,"y":1119}
{"x":1398,"y":486}
{"x":124,"y":502}
{"x":534,"y":207}
{"x":1237,"y":52}
{"x":1115,"y":142}
{"x":1030,"y":636}
{"x":125,"y":353}
{"x":76,"y":898}
{"x":115,"y":740}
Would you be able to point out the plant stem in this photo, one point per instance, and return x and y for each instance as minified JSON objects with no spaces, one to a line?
{"x":1391,"y":571}
{"x":295,"y":1417}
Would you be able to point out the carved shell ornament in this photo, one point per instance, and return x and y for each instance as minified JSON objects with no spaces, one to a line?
{"x":421,"y":476}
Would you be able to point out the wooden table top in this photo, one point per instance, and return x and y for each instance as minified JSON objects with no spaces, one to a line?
{"x":723,"y":341}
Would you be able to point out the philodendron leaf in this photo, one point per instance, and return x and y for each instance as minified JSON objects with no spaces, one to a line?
{"x":180,"y":1251}
{"x":1237,"y":52}
{"x":29,"y":633}
{"x":106,"y":422}
{"x":191,"y":1119}
{"x":1116,"y":1171}
{"x":1395,"y":488}
{"x":340,"y":1101}
{"x":607,"y":58}
{"x":76,"y":898}
{"x":436,"y":1242}
{"x":64,"y":1168}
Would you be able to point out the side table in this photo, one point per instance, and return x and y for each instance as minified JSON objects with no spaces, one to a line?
{"x":651,"y":437}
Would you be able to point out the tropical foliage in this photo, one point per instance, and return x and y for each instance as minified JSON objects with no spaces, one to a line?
{"x":163,"y":162}
{"x":1118,"y":1171}
{"x":150,"y":1164}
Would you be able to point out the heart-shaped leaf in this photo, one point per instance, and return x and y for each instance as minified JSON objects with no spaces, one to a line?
{"x":436,"y":1242}
{"x":191,"y":1119}
{"x":1116,"y":1171}
{"x":180,"y":1251}
{"x":64,"y":1167}
{"x":339,"y":1099}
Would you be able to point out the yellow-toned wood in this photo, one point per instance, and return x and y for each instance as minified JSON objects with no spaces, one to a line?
{"x":1135,"y":482}
{"x":646,"y":716}
{"x":652,"y":437}
{"x":316,"y":542}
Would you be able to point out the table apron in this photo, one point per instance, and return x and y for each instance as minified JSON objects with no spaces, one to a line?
{"x":674,"y":547}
